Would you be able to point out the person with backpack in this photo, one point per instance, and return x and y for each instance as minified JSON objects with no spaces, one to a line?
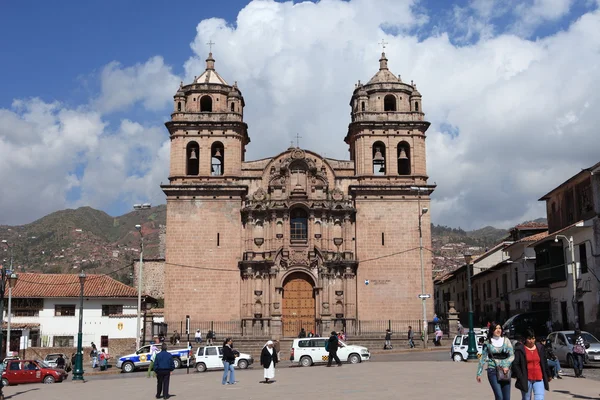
{"x":531,"y":367}
{"x":578,"y":354}
{"x":497,"y":352}
{"x":331,"y":346}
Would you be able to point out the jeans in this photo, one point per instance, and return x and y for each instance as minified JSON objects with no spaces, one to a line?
{"x":94,"y":362}
{"x":578,"y":361}
{"x":501,"y":389}
{"x":411,"y":343}
{"x":198,"y":340}
{"x":229,"y":368}
{"x":538,"y":390}
{"x":556,"y":365}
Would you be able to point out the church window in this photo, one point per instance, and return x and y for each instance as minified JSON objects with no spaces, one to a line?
{"x":206,"y":104}
{"x":192,"y":159}
{"x":403,"y":158}
{"x":378,"y":158}
{"x":298,"y":224}
{"x":218,"y":239}
{"x":416,"y":106}
{"x":389,"y":103}
{"x":179,"y":106}
{"x":362,"y":106}
{"x":217,"y":159}
{"x":383,"y":238}
{"x":232,"y":106}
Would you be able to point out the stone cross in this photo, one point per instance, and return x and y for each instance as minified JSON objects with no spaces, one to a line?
{"x":210,"y":45}
{"x":298,"y":137}
{"x":383,"y":43}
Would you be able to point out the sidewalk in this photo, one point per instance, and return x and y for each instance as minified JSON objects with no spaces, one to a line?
{"x":390,"y":380}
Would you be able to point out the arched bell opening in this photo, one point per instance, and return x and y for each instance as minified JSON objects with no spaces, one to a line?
{"x":206,"y":104}
{"x":192,"y":158}
{"x":379,"y":162}
{"x":403,"y":154}
{"x":389,"y":103}
{"x":217,"y":159}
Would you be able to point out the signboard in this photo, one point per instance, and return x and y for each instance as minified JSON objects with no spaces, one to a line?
{"x":424,"y":296}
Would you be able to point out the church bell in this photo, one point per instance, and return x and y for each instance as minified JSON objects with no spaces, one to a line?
{"x":217,"y":153}
{"x":378,"y":157}
{"x":193,"y":155}
{"x":402,"y":155}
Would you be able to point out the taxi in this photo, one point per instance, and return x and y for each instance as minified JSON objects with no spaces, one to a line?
{"x":31,"y":371}
{"x":141,"y":358}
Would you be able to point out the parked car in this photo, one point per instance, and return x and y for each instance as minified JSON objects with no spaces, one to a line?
{"x":460,"y":345}
{"x":6,"y":360}
{"x":211,"y":357}
{"x":51,"y":360}
{"x":309,"y":351}
{"x":141,"y":359}
{"x":519,"y":323}
{"x":31,"y":371}
{"x":562,"y":344}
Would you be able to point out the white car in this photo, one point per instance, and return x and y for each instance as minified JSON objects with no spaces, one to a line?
{"x":141,"y":359}
{"x":211,"y":357}
{"x":309,"y":351}
{"x":460,"y":345}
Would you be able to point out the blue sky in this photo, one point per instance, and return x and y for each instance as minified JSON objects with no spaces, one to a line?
{"x":88,"y":86}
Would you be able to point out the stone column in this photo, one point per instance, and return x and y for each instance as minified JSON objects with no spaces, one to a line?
{"x":452,"y":318}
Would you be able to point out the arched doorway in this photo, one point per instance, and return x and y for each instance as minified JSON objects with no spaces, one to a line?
{"x":298,"y":304}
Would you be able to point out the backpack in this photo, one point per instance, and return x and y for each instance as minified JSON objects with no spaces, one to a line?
{"x":327,"y":345}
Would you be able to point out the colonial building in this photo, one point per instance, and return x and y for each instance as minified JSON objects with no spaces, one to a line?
{"x":297,"y":239}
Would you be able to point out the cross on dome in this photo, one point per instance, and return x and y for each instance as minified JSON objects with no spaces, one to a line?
{"x":383,"y":43}
{"x":210,"y":45}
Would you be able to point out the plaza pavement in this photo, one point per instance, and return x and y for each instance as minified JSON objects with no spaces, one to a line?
{"x":370,"y":380}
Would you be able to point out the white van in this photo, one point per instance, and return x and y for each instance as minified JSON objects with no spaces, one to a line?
{"x":309,"y":351}
{"x":460,"y":344}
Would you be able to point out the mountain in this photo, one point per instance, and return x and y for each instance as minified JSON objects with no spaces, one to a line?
{"x":67,"y":240}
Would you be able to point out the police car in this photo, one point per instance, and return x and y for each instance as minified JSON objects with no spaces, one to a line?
{"x":141,"y":359}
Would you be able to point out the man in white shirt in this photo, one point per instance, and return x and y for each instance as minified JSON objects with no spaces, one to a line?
{"x":198,"y":336}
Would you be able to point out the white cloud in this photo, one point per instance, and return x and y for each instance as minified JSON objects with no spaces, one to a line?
{"x":523,"y":109}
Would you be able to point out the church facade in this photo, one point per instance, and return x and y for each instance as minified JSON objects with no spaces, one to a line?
{"x":297,"y":239}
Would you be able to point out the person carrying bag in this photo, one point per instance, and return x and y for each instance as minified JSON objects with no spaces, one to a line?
{"x":498,"y":354}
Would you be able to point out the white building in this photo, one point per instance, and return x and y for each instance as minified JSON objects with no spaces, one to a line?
{"x":46,"y":308}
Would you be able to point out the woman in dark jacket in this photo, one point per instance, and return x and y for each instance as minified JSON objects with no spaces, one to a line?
{"x":228,"y":362}
{"x":531,"y":367}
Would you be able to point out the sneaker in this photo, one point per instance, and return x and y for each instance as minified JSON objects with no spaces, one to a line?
{"x":558,"y":377}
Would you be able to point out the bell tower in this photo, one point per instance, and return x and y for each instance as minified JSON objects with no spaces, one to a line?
{"x":387,"y":132}
{"x":207,"y":129}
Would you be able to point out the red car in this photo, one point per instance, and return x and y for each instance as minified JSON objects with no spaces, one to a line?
{"x":31,"y":371}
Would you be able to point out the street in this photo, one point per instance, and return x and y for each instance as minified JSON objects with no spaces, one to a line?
{"x":383,"y":379}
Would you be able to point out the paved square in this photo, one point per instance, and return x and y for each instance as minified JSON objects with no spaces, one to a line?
{"x":375,"y":380}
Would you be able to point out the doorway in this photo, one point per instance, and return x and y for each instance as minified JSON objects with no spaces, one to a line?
{"x":298,"y":305}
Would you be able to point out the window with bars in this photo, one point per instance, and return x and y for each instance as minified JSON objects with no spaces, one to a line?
{"x":63,"y":341}
{"x":298,"y":224}
{"x":64,"y":310}
{"x":111,"y":309}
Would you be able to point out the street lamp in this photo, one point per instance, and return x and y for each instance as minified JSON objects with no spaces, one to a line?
{"x":422,"y":211}
{"x":12,"y":281}
{"x":472,"y":349}
{"x":138,"y":227}
{"x":574,"y":275}
{"x":78,"y":372}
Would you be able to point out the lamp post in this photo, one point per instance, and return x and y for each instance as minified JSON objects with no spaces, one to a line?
{"x":574,"y":275}
{"x":78,"y":371}
{"x":471,"y":349}
{"x":12,"y":281}
{"x":138,"y":227}
{"x":422,"y":211}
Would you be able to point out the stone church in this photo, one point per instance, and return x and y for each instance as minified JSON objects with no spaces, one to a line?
{"x":297,"y":239}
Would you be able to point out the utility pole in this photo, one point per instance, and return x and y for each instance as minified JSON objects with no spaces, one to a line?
{"x":422,"y":212}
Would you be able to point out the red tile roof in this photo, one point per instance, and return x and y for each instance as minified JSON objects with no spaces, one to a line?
{"x":531,"y":225}
{"x":31,"y":285}
{"x":533,"y":238}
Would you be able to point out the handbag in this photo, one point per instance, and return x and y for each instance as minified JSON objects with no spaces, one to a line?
{"x":501,"y":376}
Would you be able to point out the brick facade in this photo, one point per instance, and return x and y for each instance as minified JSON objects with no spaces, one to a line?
{"x":241,"y":234}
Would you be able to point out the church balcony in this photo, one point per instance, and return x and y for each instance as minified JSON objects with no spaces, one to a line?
{"x":392,"y":116}
{"x":206,"y":117}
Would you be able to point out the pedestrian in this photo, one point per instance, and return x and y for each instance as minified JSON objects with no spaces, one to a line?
{"x":578,"y":354}
{"x":332,"y":346}
{"x":163,"y":366}
{"x":228,"y":362}
{"x":497,"y":352}
{"x":388,"y":340}
{"x":73,"y":360}
{"x":460,"y":328}
{"x":549,"y":325}
{"x":531,"y":367}
{"x":103,"y":360}
{"x":553,"y":363}
{"x":198,"y":336}
{"x":94,"y":355}
{"x":438,"y":337}
{"x":411,"y":342}
{"x":153,"y":351}
{"x":60,"y":362}
{"x":268,"y":359}
{"x":311,"y":334}
{"x":302,"y":333}
{"x":342,"y":336}
{"x":210,"y":337}
{"x":176,"y":337}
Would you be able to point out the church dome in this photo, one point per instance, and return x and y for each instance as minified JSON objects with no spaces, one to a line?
{"x":210,"y":75}
{"x":384,"y":75}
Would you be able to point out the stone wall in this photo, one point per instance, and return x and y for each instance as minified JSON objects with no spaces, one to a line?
{"x":153,"y":277}
{"x":116,"y":348}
